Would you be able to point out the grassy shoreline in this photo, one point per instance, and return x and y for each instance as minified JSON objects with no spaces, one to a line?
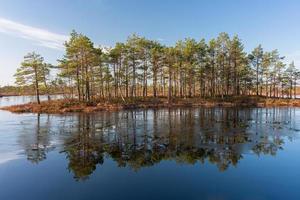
{"x":71,"y":105}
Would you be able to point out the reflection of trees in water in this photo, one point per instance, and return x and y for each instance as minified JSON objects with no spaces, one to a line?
{"x":139,"y":139}
{"x":35,"y":138}
{"x":84,"y":149}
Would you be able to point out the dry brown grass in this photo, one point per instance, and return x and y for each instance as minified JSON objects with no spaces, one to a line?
{"x":68,"y":105}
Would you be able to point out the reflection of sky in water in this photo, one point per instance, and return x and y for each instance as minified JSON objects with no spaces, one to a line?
{"x":8,"y":156}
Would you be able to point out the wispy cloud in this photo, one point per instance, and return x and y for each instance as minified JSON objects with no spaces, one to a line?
{"x":160,"y":39}
{"x":39,"y":36}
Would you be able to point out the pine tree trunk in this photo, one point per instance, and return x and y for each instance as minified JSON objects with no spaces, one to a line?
{"x":37,"y":91}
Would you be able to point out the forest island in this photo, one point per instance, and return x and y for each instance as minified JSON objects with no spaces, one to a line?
{"x":143,"y":73}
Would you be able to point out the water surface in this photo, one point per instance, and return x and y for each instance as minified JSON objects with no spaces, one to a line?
{"x":199,"y":153}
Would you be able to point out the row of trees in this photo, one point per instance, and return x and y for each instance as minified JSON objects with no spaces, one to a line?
{"x":141,"y":67}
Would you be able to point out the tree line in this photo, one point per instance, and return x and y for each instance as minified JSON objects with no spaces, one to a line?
{"x":141,"y":67}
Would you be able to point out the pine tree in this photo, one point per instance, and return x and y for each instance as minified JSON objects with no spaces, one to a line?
{"x":32,"y":72}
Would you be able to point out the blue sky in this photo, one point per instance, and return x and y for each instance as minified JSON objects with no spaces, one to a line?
{"x":41,"y":26}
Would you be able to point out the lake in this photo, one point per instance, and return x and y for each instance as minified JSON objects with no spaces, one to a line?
{"x":188,"y":153}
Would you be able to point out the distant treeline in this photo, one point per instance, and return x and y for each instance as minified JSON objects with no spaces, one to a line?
{"x":141,"y":67}
{"x":26,"y":90}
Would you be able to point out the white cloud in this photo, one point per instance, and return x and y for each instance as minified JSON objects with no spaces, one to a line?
{"x":105,"y":48}
{"x":41,"y":37}
{"x":295,"y":56}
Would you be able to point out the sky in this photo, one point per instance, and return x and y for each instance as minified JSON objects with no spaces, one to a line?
{"x":43,"y":26}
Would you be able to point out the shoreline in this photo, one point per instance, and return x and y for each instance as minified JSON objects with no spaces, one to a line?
{"x":71,"y":105}
{"x":20,"y":95}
